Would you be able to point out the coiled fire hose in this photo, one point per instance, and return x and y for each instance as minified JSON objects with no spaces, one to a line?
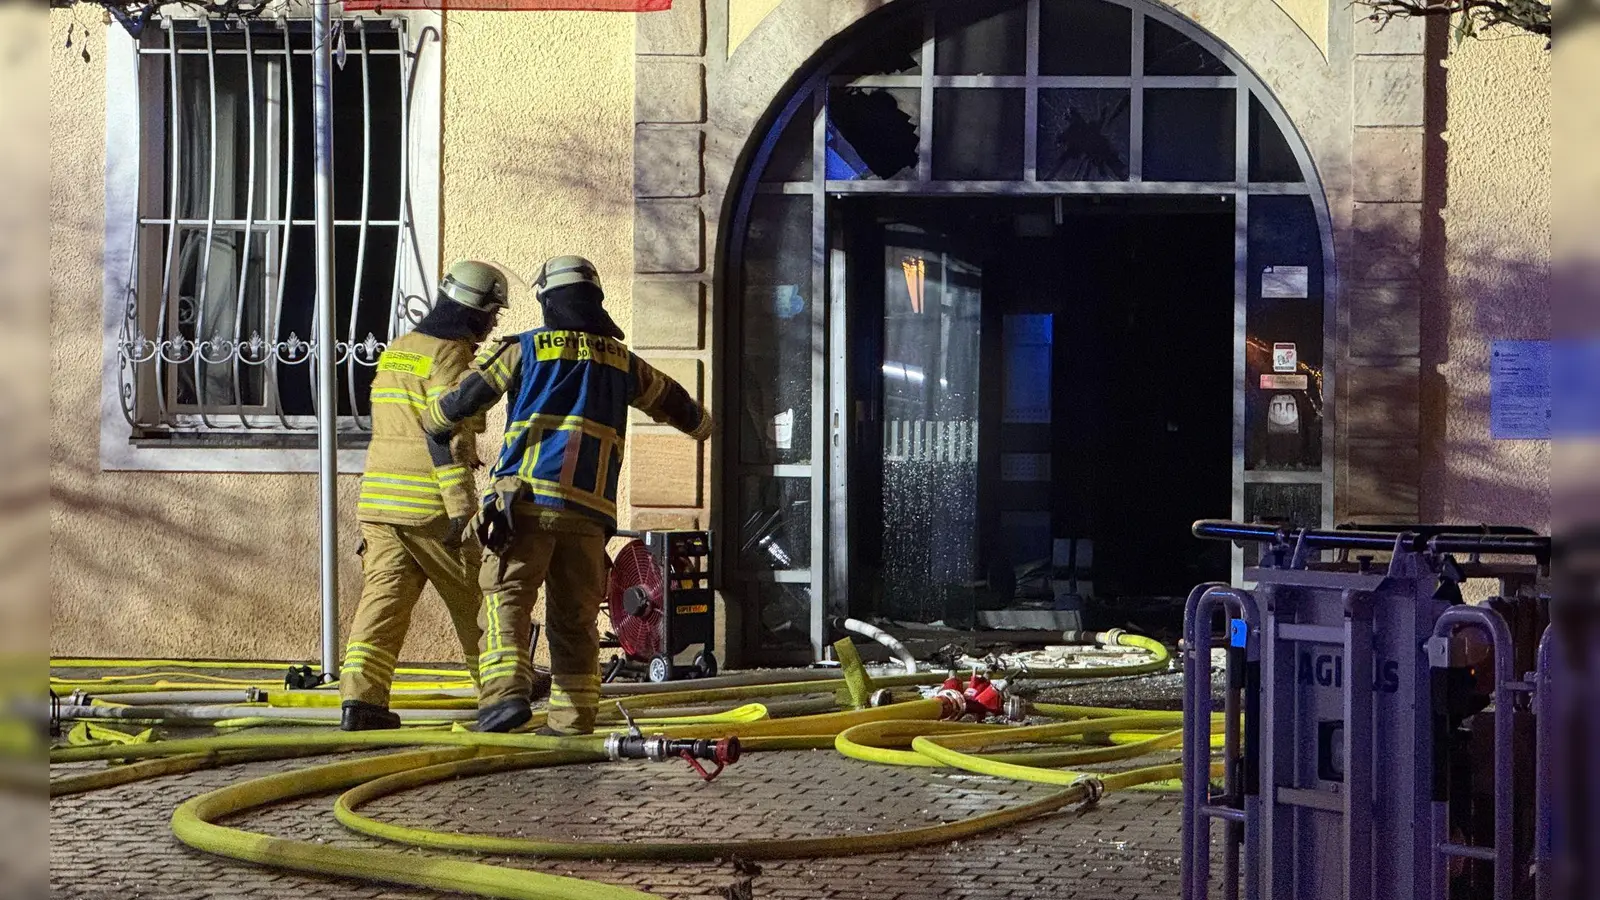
{"x":901,"y":733}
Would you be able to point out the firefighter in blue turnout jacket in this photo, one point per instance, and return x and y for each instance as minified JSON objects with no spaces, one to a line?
{"x":552,"y":503}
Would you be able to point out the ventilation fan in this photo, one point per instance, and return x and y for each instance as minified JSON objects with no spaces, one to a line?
{"x":660,"y":601}
{"x":633,"y":595}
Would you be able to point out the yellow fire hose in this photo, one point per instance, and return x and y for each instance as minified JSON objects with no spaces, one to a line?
{"x":903,"y":733}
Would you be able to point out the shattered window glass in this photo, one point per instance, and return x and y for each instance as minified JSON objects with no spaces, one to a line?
{"x":1083,"y":135}
{"x":775,"y":523}
{"x":873,"y":133}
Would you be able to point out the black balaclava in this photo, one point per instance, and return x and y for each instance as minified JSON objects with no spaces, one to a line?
{"x":452,"y":321}
{"x":577,"y":307}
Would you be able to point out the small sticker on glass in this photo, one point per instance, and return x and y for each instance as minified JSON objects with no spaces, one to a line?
{"x":1286,"y":282}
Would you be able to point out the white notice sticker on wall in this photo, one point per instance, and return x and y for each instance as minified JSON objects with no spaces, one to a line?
{"x":1285,"y":358}
{"x":1285,"y":282}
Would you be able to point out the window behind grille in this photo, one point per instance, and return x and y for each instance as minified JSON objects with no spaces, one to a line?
{"x":217,"y":342}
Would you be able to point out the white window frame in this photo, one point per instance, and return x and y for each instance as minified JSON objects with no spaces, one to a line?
{"x":118,"y":450}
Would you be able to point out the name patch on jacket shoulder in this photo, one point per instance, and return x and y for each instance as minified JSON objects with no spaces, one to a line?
{"x":405,"y":363}
{"x":581,"y":347}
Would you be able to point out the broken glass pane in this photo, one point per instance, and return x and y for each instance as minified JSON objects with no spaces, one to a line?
{"x":931,"y":371}
{"x":774,"y":523}
{"x":873,"y":133}
{"x":977,"y":134}
{"x":1083,"y":135}
{"x":1166,"y":52}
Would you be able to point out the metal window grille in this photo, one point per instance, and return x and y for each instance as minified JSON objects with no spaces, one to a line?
{"x":215,"y":342}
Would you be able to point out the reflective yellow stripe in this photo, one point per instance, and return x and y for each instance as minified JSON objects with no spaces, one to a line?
{"x":398,"y":476}
{"x":576,"y":495}
{"x":421,"y":503}
{"x":385,"y":484}
{"x":371,"y":648}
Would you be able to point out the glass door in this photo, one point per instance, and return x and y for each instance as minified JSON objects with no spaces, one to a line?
{"x":914,"y":390}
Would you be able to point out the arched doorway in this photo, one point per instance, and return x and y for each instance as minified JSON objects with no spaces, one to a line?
{"x":1018,"y":288}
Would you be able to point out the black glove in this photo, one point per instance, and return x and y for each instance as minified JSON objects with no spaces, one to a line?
{"x":457,"y":530}
{"x":496,"y":525}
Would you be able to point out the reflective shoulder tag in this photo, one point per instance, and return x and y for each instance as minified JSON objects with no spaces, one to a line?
{"x":406,"y":363}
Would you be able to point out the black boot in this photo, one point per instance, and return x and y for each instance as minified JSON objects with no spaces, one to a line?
{"x":356,"y":715}
{"x":504,"y":716}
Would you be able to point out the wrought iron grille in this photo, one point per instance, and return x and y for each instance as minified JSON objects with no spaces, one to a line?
{"x":220,"y":306}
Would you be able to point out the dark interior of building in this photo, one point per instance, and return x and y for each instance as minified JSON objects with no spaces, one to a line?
{"x":1042,"y":391}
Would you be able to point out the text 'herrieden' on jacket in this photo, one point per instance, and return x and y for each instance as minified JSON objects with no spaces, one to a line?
{"x":567,"y":419}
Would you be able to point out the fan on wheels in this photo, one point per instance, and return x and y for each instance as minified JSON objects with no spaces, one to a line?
{"x":634,"y":599}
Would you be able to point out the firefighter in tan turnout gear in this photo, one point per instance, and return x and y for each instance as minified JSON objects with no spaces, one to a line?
{"x":553,"y":503}
{"x":417,"y":494}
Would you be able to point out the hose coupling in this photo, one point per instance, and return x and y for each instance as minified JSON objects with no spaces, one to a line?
{"x":1112,"y":638}
{"x":880,"y":698}
{"x":953,"y":703}
{"x":660,"y":748}
{"x":254,"y":694}
{"x":1093,"y":789}
{"x":1017,"y":708}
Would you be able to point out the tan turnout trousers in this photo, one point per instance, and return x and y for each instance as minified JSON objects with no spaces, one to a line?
{"x":398,"y":562}
{"x":570,"y":559}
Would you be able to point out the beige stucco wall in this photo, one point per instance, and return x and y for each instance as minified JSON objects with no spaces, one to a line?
{"x":537,"y":160}
{"x":1496,"y":284}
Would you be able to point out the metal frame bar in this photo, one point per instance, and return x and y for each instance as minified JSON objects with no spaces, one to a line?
{"x":361,"y":235}
{"x":288,"y":231}
{"x":1198,"y":811}
{"x":820,"y":513}
{"x":211,"y":219}
{"x":249,"y":229}
{"x":327,"y":373}
{"x":1035,"y":81}
{"x":1501,"y":854}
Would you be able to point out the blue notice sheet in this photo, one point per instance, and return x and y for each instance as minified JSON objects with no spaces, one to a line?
{"x":1519,"y":391}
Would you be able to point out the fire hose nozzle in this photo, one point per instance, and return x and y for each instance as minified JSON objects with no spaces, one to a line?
{"x":659,"y":748}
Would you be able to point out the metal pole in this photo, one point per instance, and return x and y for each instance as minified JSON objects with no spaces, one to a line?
{"x":327,"y":373}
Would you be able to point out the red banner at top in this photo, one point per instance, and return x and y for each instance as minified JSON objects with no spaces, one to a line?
{"x":636,"y":6}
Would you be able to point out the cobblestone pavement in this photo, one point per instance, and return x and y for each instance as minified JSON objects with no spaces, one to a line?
{"x":116,"y":843}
